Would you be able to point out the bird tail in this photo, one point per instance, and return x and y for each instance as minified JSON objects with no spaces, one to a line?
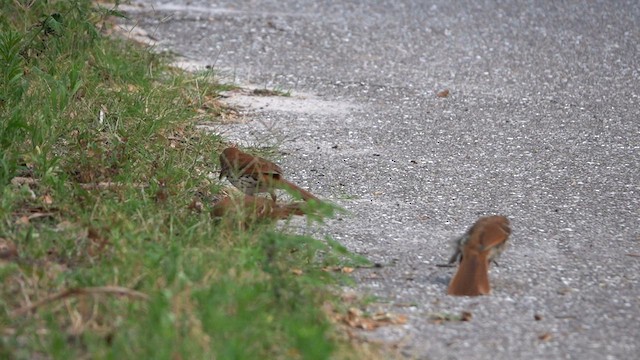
{"x":286,"y":211}
{"x":472,"y":277}
{"x":296,"y":190}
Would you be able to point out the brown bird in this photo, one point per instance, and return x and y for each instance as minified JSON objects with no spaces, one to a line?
{"x":253,"y":174}
{"x":475,"y":250}
{"x":250,"y":209}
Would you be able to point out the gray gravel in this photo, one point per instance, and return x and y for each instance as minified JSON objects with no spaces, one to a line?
{"x":542,"y":125}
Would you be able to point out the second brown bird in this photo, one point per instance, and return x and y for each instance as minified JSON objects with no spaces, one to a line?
{"x":475,"y":250}
{"x":248,"y":210}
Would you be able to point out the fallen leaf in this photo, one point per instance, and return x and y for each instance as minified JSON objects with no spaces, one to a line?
{"x":384,"y":317}
{"x":564,"y":291}
{"x":439,"y":318}
{"x":537,"y":317}
{"x":18,"y":181}
{"x":544,"y":337}
{"x":196,"y":205}
{"x":98,"y":243}
{"x":47,"y":199}
{"x":347,"y":270}
{"x":296,"y":271}
{"x":349,"y":296}
{"x":466,"y":316}
{"x":37,"y":215}
{"x":356,"y":318}
{"x":443,"y":94}
{"x":162,"y":194}
{"x":8,"y":249}
{"x":64,"y":225}
{"x":330,"y":268}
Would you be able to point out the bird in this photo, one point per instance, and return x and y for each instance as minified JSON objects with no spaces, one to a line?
{"x":250,"y":209}
{"x":475,"y":250}
{"x":253,"y":174}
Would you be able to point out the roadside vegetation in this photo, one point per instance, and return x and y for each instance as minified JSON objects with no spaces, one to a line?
{"x":107,"y":247}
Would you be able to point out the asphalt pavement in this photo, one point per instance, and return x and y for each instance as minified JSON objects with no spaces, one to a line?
{"x":541,"y":124}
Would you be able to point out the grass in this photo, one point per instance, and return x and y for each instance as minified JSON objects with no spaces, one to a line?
{"x":107,"y":249}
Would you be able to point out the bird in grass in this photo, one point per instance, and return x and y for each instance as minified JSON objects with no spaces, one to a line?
{"x":253,"y":174}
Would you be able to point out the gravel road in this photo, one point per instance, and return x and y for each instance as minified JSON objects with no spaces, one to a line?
{"x":542,"y":124}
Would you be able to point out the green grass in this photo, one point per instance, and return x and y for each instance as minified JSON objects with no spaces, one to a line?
{"x":100,"y":168}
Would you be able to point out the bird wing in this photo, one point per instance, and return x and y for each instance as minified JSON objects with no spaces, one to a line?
{"x":494,"y":232}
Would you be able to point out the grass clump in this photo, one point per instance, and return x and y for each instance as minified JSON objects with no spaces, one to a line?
{"x":107,"y":249}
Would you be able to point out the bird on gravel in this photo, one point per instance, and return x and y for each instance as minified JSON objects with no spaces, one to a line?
{"x":253,"y":174}
{"x":475,"y":250}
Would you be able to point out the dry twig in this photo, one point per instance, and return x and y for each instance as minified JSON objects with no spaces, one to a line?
{"x":110,"y":290}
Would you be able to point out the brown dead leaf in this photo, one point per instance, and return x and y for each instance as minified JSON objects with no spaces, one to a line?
{"x":349,"y":297}
{"x":440,"y":318}
{"x":564,"y":291}
{"x":162,"y":194}
{"x":8,"y":250}
{"x":195,"y":205}
{"x":23,"y":220}
{"x":443,"y":94}
{"x":98,"y":242}
{"x":64,"y":225}
{"x":388,"y":318}
{"x":38,"y":215}
{"x":545,"y":336}
{"x":356,"y":318}
{"x":19,"y":181}
{"x":373,"y":275}
{"x":343,"y":269}
{"x":297,"y":272}
{"x":229,"y":116}
{"x":466,"y":316}
{"x":47,"y":199}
